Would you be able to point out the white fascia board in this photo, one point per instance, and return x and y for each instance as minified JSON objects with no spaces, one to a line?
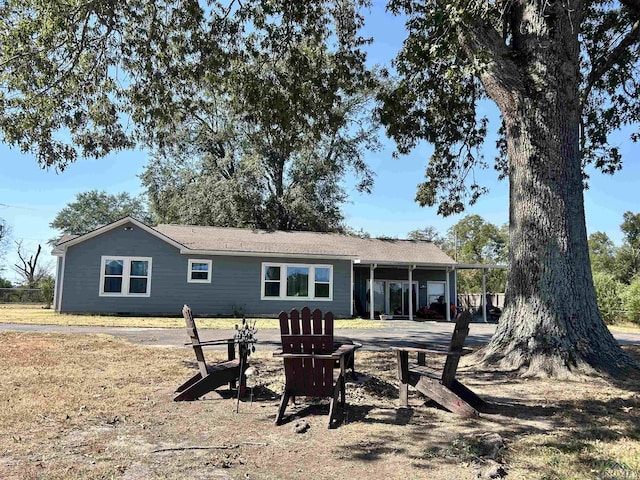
{"x":60,"y":248}
{"x":238,"y":253}
{"x":382,"y":264}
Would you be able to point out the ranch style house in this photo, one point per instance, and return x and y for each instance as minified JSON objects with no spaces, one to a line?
{"x":130,"y":268}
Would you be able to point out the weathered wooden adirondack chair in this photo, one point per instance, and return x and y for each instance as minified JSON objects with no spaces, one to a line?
{"x":310,"y":359}
{"x":443,"y":389}
{"x":211,"y":377}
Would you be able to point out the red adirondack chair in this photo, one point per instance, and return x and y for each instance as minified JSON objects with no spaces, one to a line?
{"x":310,"y":359}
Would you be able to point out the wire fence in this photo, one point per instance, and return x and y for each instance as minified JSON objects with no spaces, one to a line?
{"x":23,"y":295}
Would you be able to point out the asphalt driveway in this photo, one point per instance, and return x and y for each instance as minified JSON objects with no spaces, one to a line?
{"x":396,"y":332}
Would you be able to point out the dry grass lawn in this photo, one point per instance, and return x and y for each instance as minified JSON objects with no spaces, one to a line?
{"x":37,"y":314}
{"x":93,"y":407}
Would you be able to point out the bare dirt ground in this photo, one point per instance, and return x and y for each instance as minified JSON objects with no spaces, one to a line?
{"x":96,"y":407}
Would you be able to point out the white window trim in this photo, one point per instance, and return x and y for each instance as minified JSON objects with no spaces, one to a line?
{"x":190,"y":270}
{"x":126,"y":276}
{"x":283,"y":282}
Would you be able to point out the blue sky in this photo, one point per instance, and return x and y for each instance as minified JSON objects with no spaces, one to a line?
{"x":30,"y":197}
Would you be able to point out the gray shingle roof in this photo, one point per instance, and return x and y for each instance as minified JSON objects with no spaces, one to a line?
{"x":239,"y":240}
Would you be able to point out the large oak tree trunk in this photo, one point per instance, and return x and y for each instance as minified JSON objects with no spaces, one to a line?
{"x":551,"y":324}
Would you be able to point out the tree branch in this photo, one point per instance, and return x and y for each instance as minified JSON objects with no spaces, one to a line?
{"x":502,"y":77}
{"x":28,"y":268}
{"x":633,"y":6}
{"x":603,"y":64}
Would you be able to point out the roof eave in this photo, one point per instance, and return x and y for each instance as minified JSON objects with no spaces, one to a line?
{"x":245,"y":253}
{"x":406,"y":263}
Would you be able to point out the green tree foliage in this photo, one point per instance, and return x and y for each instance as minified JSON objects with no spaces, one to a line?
{"x":602,"y":252}
{"x":627,"y":262}
{"x":563,"y":76}
{"x":243,"y":183}
{"x":610,"y":294}
{"x":4,"y":283}
{"x":47,"y":287}
{"x":265,"y":95}
{"x":631,"y":301}
{"x":427,"y":234}
{"x":622,"y":262}
{"x":476,"y":241}
{"x":631,"y":228}
{"x":95,"y":208}
{"x":472,"y":240}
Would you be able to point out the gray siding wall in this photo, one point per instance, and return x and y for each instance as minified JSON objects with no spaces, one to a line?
{"x":235,"y":284}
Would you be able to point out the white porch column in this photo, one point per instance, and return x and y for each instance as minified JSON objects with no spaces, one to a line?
{"x":455,"y":288}
{"x":372,"y":267}
{"x":352,"y":288}
{"x":484,"y":295}
{"x":447,"y":296}
{"x":411,"y":268}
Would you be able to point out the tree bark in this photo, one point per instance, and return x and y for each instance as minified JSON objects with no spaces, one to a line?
{"x":551,"y":325}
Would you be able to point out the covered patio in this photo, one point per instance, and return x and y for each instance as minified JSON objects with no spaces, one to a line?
{"x":400,"y":289}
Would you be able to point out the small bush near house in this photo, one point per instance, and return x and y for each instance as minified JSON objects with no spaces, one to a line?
{"x":47,"y":285}
{"x":610,"y":295}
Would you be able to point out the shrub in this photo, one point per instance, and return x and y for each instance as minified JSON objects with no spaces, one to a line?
{"x":47,"y":286}
{"x":632,"y":300}
{"x":610,"y":295}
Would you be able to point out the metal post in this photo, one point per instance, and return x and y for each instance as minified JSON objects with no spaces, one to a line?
{"x":447,"y":296}
{"x":411,"y":267}
{"x":372,"y":267}
{"x":484,"y":295}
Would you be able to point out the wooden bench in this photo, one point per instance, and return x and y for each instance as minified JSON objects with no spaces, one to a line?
{"x":310,"y":359}
{"x":443,"y":388}
{"x":211,"y":377}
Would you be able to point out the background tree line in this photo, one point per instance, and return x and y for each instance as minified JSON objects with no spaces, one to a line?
{"x":616,"y":271}
{"x":473,"y":240}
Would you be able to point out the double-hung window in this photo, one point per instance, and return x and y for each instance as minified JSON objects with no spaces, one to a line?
{"x":294,"y":281}
{"x":125,"y":276}
{"x":199,"y":271}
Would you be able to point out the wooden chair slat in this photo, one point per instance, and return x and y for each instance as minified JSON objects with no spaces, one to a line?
{"x":317,"y":322}
{"x":295,"y":322}
{"x":328,"y":323}
{"x":284,"y":322}
{"x":306,"y":321}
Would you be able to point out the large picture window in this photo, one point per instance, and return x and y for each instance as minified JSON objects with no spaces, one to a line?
{"x":199,"y":271}
{"x":295,"y":281}
{"x":125,"y":276}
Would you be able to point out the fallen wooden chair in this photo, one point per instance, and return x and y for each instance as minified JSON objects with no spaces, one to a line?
{"x":443,"y":389}
{"x":211,"y":377}
{"x":310,"y":358}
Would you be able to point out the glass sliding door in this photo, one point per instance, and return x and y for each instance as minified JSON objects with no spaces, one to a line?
{"x":392,"y":297}
{"x":396,"y":297}
{"x":406,"y":291}
{"x":379,"y":296}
